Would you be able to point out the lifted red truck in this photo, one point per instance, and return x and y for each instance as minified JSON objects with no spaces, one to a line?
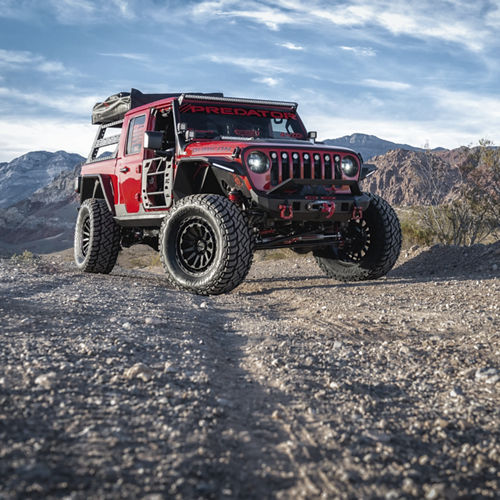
{"x":207,"y":179}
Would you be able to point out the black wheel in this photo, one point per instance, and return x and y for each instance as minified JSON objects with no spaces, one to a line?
{"x":371,"y":246}
{"x":97,"y":238}
{"x":205,"y":245}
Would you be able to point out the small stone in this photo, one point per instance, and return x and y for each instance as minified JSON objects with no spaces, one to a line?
{"x":441,"y":423}
{"x":275,"y":415}
{"x":435,"y":491}
{"x":126,"y":325}
{"x":404,"y":350}
{"x":139,"y":371}
{"x":456,"y":392}
{"x":309,"y":361}
{"x":152,"y":321}
{"x":320,"y":394}
{"x":408,"y":485}
{"x":169,"y":367}
{"x":46,"y":380}
{"x":380,"y":437}
{"x":488,"y":375}
{"x":203,"y":305}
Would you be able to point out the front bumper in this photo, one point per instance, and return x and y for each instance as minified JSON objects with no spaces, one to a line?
{"x":337,"y":207}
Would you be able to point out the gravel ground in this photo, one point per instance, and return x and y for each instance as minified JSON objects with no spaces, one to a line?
{"x":292,"y":386}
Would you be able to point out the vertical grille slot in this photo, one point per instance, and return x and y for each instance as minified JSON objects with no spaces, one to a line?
{"x":318,"y":174}
{"x":285,"y":166}
{"x":296,"y":168}
{"x":306,"y":174}
{"x":338,"y":170}
{"x":328,"y":166}
{"x":274,"y":168}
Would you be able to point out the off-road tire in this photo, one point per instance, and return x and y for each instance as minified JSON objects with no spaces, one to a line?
{"x":378,"y":253}
{"x":97,"y":238}
{"x":205,"y":245}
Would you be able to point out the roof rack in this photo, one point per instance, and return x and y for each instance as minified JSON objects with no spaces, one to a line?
{"x":100,"y":141}
{"x":117,"y":105}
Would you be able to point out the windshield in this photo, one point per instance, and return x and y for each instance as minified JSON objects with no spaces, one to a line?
{"x":209,"y":121}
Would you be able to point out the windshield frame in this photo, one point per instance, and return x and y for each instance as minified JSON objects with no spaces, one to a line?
{"x":262,"y":122}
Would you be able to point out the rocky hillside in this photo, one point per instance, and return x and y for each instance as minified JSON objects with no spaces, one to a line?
{"x":21,"y":177}
{"x":414,"y":177}
{"x":368,"y":145}
{"x":44,"y":221}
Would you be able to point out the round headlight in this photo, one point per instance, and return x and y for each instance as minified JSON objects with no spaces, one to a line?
{"x":349,"y":166}
{"x":258,"y":162}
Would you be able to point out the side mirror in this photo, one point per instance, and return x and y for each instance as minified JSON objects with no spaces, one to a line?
{"x":153,"y":140}
{"x":312,"y":136}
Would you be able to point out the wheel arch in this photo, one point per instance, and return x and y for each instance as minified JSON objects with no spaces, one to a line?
{"x":204,"y":175}
{"x":195,"y":176}
{"x":98,"y":186}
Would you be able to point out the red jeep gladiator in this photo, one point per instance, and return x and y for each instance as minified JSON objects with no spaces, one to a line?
{"x":207,"y":179}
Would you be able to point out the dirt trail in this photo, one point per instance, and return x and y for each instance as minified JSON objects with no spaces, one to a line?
{"x":292,"y":386}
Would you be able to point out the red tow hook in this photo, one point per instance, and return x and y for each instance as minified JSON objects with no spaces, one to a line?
{"x":328,"y":209}
{"x":357,"y":213}
{"x":283,"y":210}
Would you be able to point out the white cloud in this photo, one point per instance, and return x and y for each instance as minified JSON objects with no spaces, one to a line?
{"x":17,"y":60}
{"x":271,"y":17}
{"x":13,"y":58}
{"x":68,"y":104}
{"x":456,"y":22}
{"x":386,"y":84}
{"x":260,"y":66}
{"x":359,"y":51}
{"x":476,"y":111}
{"x":291,"y":46}
{"x":399,"y":131}
{"x":128,"y":55}
{"x":269,"y":81}
{"x":124,"y":8}
{"x":20,"y":137}
{"x":52,"y":67}
{"x":73,"y":12}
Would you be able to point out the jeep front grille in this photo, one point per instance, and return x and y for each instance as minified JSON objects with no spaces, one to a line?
{"x":289,"y":164}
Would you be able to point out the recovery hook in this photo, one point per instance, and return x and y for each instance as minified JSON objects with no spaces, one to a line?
{"x":357,"y":213}
{"x":283,"y":211}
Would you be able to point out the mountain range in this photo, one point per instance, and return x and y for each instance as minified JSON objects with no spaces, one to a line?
{"x":38,"y":205}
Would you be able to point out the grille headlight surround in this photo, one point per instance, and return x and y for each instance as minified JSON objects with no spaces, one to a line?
{"x":258,"y":162}
{"x":349,"y":166}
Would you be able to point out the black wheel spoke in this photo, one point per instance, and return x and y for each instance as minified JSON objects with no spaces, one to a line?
{"x":196,"y":245}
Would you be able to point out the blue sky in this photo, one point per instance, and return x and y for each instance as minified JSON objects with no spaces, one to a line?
{"x":423,"y":72}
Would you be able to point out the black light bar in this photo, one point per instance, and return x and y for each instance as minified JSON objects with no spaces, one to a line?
{"x":201,"y":97}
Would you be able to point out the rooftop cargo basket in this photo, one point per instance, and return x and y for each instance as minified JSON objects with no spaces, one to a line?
{"x":115,"y":106}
